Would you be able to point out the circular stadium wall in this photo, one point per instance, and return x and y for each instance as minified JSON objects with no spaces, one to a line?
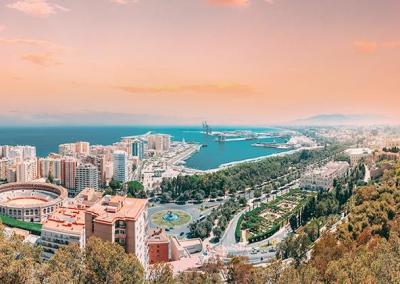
{"x":30,"y":202}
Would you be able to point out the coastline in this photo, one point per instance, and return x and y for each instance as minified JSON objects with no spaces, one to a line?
{"x":234,"y":163}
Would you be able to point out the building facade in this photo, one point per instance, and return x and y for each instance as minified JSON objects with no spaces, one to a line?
{"x":324,"y":177}
{"x":86,"y":176}
{"x":65,"y":226}
{"x":120,"y":166}
{"x":120,"y":220}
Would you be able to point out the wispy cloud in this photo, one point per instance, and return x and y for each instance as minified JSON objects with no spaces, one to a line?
{"x":229,"y":2}
{"x":233,"y":88}
{"x":123,"y":2}
{"x":37,"y":8}
{"x":234,"y":2}
{"x":373,"y":46}
{"x":41,"y":59}
{"x":31,"y":42}
{"x":44,"y":53}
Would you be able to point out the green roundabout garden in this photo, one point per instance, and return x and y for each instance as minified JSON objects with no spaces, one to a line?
{"x":170,"y":218}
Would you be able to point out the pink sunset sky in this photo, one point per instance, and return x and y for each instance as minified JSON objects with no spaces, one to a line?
{"x":184,"y":61}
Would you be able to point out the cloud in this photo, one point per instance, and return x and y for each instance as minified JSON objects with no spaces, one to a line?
{"x":41,"y":59}
{"x":373,"y":46}
{"x":37,"y":8}
{"x":206,"y":88}
{"x":123,"y":2}
{"x":229,"y":2}
{"x":31,"y":42}
{"x":234,"y":2}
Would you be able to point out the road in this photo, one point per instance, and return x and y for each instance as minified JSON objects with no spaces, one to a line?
{"x":367,"y":176}
{"x":228,"y":238}
{"x":194,"y":210}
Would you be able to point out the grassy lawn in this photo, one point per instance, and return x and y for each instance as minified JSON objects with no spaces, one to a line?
{"x":34,"y":228}
{"x":157,"y":218}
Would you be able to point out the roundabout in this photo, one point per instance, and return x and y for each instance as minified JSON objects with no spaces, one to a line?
{"x":170,"y":218}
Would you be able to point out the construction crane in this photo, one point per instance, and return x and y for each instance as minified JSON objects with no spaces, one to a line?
{"x":206,"y":128}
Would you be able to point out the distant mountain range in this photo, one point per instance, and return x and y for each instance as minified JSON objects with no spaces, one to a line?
{"x":341,"y":119}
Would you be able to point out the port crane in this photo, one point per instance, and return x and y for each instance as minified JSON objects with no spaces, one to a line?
{"x":206,"y":128}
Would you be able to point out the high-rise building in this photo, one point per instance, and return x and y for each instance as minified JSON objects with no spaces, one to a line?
{"x":121,"y":220}
{"x":66,"y":149}
{"x":28,"y":152}
{"x":82,"y":147}
{"x":4,"y":164}
{"x":86,"y":176}
{"x":120,"y":166}
{"x":50,"y":167}
{"x":158,"y":142}
{"x":68,"y":174}
{"x":26,"y":170}
{"x":99,"y":161}
{"x":11,"y":174}
{"x":71,"y":149}
{"x":137,"y":148}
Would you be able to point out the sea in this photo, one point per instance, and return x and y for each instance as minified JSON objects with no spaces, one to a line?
{"x":211,"y":156}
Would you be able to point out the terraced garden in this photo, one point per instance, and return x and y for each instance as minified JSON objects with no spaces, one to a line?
{"x":265,"y":220}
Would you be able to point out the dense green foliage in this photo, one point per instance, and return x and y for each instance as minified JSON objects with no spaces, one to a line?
{"x":240,"y":177}
{"x":99,"y":262}
{"x":34,"y":228}
{"x":136,"y":189}
{"x":220,"y":215}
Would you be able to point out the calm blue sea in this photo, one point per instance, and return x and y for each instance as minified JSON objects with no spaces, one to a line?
{"x":47,"y":139}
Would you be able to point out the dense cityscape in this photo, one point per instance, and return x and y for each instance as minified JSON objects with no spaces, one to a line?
{"x":199,"y":142}
{"x":138,"y":194}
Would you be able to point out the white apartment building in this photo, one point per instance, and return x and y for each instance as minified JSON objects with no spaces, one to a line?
{"x":356,"y":154}
{"x":86,"y":176}
{"x":323,"y":178}
{"x":63,"y":227}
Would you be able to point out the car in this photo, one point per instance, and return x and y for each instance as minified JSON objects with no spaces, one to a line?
{"x":181,"y":234}
{"x":220,"y":199}
{"x":272,"y":249}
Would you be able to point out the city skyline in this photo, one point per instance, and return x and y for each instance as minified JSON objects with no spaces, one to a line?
{"x":237,"y":62}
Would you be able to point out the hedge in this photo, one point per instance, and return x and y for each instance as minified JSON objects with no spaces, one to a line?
{"x":238,"y":231}
{"x":265,"y":235}
{"x":33,"y":228}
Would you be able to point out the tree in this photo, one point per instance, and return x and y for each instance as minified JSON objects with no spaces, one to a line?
{"x":239,"y":271}
{"x":50,"y":178}
{"x":108,"y":263}
{"x":115,"y":185}
{"x":160,"y":273}
{"x":66,"y":266}
{"x":19,"y":261}
{"x":136,"y":189}
{"x":217,"y":232}
{"x":293,"y":220}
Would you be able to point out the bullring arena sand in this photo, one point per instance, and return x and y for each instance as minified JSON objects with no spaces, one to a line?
{"x":26,"y":201}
